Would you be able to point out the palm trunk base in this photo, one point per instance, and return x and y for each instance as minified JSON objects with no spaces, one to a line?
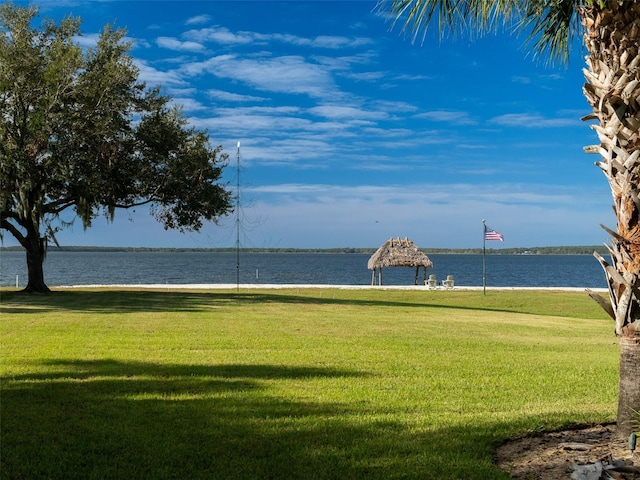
{"x":628,"y":420}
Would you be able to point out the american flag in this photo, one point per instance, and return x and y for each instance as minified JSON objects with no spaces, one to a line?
{"x":490,"y":234}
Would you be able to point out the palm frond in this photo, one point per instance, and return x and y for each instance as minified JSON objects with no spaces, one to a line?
{"x":473,"y":16}
{"x":551,"y":25}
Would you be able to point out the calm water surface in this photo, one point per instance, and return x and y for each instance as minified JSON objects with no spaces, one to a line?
{"x":103,"y":268}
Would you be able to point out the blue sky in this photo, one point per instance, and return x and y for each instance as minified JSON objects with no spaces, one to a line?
{"x":350,"y":134}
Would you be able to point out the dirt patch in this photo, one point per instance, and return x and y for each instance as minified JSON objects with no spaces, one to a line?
{"x":553,"y":455}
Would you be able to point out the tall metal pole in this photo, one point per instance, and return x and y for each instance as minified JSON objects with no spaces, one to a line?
{"x":484,"y":252}
{"x":238,"y":221}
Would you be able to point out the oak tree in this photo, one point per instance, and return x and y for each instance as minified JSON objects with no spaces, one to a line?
{"x":82,"y":136}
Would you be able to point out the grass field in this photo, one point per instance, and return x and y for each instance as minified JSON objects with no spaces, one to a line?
{"x":305,"y":384}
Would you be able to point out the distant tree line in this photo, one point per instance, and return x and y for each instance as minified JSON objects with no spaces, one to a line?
{"x":562,"y":250}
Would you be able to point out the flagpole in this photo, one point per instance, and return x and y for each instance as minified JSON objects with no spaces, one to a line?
{"x":238,"y":222}
{"x":484,"y":253}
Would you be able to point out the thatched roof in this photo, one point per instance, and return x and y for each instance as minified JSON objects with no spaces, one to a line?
{"x":398,"y":252}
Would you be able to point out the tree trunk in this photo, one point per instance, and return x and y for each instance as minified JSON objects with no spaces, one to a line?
{"x":629,"y":386}
{"x":35,"y":248}
{"x":612,"y":36}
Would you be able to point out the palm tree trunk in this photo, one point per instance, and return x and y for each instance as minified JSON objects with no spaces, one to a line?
{"x":612,"y":35}
{"x":629,"y":385}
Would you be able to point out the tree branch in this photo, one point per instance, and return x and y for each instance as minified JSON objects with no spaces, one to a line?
{"x":59,"y":205}
{"x":136,"y":204}
{"x":11,"y":228}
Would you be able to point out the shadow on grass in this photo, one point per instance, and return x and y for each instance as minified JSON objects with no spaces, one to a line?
{"x":130,"y":301}
{"x":119,"y":420}
{"x":87,"y":369}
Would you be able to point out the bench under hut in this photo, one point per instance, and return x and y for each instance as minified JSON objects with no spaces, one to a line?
{"x":398,"y":252}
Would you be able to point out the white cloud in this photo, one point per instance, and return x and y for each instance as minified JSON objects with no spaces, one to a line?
{"x":287,"y":151}
{"x":287,"y":74}
{"x":412,"y":78}
{"x":447,"y":116}
{"x":220,"y":35}
{"x":336,"y":42}
{"x":255,"y":110}
{"x":153,"y":76}
{"x":198,"y":20}
{"x":233,"y":97}
{"x":240,"y":125}
{"x":346,"y":112}
{"x":395,"y":106}
{"x":206,"y":66}
{"x":442,"y":194}
{"x":87,"y":40}
{"x":365,"y":76}
{"x":90,"y":40}
{"x":175,"y":44}
{"x":322,"y":41}
{"x":224,"y":36}
{"x":345,"y":63}
{"x":527,"y":120}
{"x":189,"y":104}
{"x":182,"y":91}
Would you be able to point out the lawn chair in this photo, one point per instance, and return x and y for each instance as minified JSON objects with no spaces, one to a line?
{"x":432,"y":282}
{"x":448,"y":283}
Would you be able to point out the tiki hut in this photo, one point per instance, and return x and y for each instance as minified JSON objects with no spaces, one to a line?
{"x":398,"y":252}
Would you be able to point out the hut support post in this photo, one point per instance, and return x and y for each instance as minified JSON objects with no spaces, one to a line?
{"x":373,"y":277}
{"x":415,"y":280}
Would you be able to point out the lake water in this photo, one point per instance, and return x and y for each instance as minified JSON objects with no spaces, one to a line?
{"x":135,"y":268}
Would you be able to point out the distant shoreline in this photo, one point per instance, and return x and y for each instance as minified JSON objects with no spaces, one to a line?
{"x":558,"y":250}
{"x":298,"y":286}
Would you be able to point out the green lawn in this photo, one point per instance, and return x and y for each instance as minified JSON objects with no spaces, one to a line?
{"x":283,"y":384}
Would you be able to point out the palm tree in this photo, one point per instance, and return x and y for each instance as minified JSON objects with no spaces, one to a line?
{"x":611,"y":32}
